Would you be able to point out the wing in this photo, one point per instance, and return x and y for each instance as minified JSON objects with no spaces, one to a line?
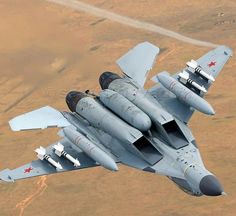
{"x":38,"y":167}
{"x":137,"y":62}
{"x":212,"y":63}
{"x":39,"y":119}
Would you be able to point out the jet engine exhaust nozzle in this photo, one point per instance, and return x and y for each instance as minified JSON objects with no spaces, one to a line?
{"x":106,"y":78}
{"x":72,"y":99}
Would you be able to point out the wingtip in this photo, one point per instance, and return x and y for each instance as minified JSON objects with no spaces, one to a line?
{"x":5,"y":176}
{"x":227,"y":50}
{"x":12,"y":125}
{"x":147,"y":43}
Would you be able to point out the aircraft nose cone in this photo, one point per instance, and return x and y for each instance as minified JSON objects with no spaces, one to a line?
{"x":210,"y":186}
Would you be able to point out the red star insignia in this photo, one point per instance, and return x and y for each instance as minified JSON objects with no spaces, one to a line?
{"x":211,"y":64}
{"x":28,"y":170}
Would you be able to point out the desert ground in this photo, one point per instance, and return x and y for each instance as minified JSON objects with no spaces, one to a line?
{"x":47,"y":50}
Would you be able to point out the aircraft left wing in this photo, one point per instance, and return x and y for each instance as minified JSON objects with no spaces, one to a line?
{"x":39,"y":167}
{"x":41,"y":118}
{"x":137,"y":62}
{"x":211,"y":63}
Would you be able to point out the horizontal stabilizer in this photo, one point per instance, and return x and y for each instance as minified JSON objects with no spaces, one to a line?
{"x":137,"y":62}
{"x":42,"y":118}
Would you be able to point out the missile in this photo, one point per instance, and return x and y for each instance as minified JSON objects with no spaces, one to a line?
{"x":198,"y":69}
{"x":184,"y":78}
{"x":184,"y":94}
{"x":90,"y":149}
{"x":42,"y":155}
{"x":59,"y":151}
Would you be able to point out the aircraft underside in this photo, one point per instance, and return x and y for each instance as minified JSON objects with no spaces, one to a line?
{"x":124,"y":123}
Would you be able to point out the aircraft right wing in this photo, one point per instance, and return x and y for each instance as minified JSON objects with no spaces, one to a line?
{"x":42,"y":167}
{"x":212,"y":63}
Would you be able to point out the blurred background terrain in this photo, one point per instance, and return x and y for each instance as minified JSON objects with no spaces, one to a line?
{"x":47,"y":50}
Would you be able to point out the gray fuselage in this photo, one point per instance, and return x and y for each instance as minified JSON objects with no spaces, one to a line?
{"x":167,"y":147}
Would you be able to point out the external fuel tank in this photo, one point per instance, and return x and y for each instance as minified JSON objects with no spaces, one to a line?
{"x":125,"y":109}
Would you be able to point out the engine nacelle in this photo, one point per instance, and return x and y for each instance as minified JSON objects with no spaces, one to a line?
{"x":139,"y":97}
{"x":125,"y":109}
{"x":100,"y":117}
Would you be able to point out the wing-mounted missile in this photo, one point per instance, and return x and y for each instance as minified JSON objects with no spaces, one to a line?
{"x":89,"y":148}
{"x":185,"y":94}
{"x":59,"y":151}
{"x":42,"y":155}
{"x":194,"y":67}
{"x":184,"y":78}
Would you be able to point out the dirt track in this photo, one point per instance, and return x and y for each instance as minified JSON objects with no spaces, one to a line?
{"x":124,"y":20}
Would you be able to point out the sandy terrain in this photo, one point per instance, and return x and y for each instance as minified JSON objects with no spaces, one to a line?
{"x":47,"y":50}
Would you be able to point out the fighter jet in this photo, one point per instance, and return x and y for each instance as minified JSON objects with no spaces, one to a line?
{"x":125,"y":123}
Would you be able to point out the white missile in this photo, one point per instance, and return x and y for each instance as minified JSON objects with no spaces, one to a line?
{"x":198,"y":69}
{"x":42,"y":155}
{"x":184,"y":78}
{"x":59,"y":151}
